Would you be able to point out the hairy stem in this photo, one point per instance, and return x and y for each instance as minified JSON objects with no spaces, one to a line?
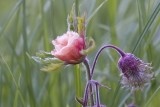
{"x":86,"y":63}
{"x":97,"y":95}
{"x":98,"y":53}
{"x":85,"y":98}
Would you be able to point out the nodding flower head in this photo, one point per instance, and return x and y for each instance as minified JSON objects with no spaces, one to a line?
{"x":135,"y":73}
{"x":68,"y":47}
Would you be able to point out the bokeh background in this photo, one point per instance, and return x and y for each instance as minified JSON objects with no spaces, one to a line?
{"x":27,"y":26}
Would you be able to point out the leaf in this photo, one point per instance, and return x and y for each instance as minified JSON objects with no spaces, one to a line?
{"x":81,"y":24}
{"x":46,"y":60}
{"x":90,"y":48}
{"x":52,"y":67}
{"x":50,"y":63}
{"x":37,"y":59}
{"x":44,"y":54}
{"x":80,"y":100}
{"x":76,"y":23}
{"x":71,"y":20}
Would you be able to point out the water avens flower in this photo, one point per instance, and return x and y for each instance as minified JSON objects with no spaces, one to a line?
{"x":68,"y":47}
{"x":135,"y":73}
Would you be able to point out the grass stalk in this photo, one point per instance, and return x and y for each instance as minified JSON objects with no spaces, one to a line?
{"x":10,"y":16}
{"x":114,"y":98}
{"x":95,"y":11}
{"x":27,"y":68}
{"x":14,"y":81}
{"x":45,"y":34}
{"x":150,"y":99}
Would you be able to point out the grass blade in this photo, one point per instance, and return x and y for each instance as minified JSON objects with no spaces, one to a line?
{"x":95,"y":11}
{"x":14,"y":80}
{"x":45,"y":37}
{"x":155,"y":92}
{"x":27,"y":71}
{"x":148,"y":25}
{"x":11,"y":14}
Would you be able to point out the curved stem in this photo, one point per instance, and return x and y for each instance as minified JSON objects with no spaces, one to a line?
{"x":86,"y":63}
{"x":122,"y":54}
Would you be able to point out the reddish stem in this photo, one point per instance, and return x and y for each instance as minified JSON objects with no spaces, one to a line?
{"x":122,"y":54}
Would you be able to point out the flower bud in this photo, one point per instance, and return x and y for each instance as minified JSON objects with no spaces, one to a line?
{"x":68,"y":47}
{"x":135,"y":73}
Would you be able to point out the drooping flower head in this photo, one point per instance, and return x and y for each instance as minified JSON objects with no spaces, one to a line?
{"x":68,"y":47}
{"x":135,"y":73}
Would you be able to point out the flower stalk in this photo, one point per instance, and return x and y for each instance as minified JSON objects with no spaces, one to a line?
{"x":100,"y":50}
{"x":97,"y":95}
{"x":86,"y":63}
{"x":78,"y":81}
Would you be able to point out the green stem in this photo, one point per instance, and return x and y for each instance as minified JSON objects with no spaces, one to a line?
{"x":77,"y":67}
{"x":78,"y":82}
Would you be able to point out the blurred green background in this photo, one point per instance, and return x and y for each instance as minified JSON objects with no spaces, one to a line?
{"x":27,"y":26}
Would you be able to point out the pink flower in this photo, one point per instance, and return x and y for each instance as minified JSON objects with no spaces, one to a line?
{"x":68,"y":47}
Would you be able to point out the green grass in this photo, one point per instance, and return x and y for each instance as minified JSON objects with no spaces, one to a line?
{"x":27,"y":26}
